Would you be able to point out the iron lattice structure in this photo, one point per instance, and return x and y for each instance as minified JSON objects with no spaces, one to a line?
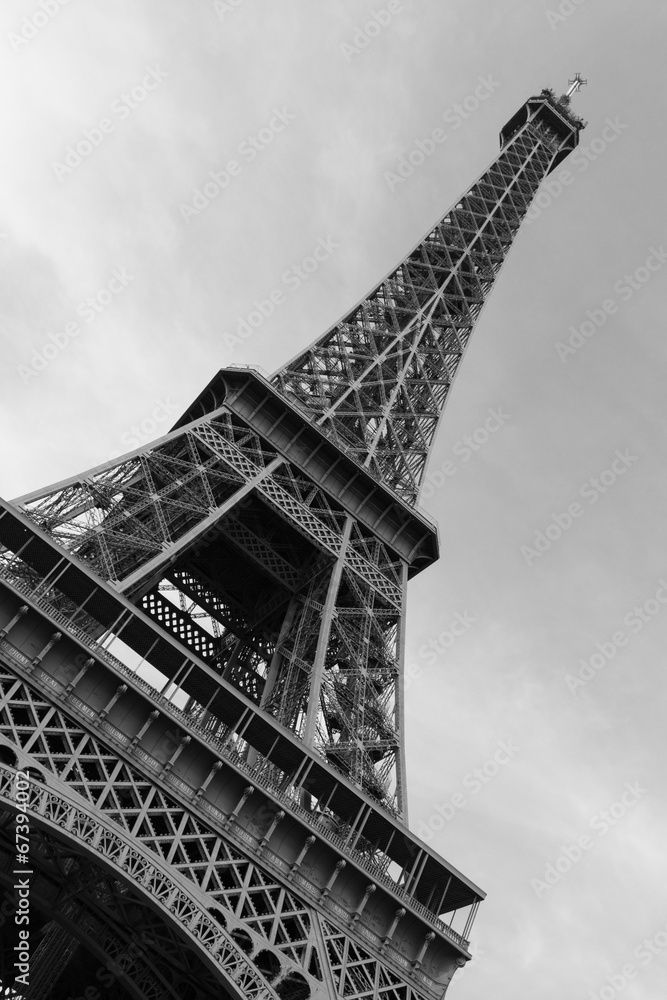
{"x":201,"y":651}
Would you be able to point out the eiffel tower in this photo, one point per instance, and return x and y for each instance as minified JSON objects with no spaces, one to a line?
{"x":202,"y":774}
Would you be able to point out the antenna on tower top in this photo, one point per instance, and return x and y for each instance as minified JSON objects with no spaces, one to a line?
{"x":575,"y":84}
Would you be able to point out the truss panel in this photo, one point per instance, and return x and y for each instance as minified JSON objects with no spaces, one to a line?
{"x":243,"y":816}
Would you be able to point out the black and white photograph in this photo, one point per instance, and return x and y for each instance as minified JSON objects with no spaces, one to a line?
{"x":333,"y":552}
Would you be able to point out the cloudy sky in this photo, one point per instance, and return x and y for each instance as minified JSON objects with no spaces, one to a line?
{"x":124,"y":290}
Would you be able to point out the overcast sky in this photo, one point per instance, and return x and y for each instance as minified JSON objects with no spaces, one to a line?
{"x":113,"y":115}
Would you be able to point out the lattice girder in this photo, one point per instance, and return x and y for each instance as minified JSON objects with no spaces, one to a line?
{"x":282,"y":535}
{"x":167,"y":733}
{"x":153,"y":820}
{"x":254,"y":560}
{"x":108,"y":907}
{"x":365,"y":379}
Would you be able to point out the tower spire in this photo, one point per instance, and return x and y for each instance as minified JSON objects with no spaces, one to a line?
{"x":377,"y":381}
{"x":575,"y":84}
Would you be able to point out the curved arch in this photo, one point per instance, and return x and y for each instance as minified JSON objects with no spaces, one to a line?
{"x":76,"y":933}
{"x":94,"y":838}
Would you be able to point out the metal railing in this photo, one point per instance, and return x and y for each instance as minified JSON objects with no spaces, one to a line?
{"x":285,"y":796}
